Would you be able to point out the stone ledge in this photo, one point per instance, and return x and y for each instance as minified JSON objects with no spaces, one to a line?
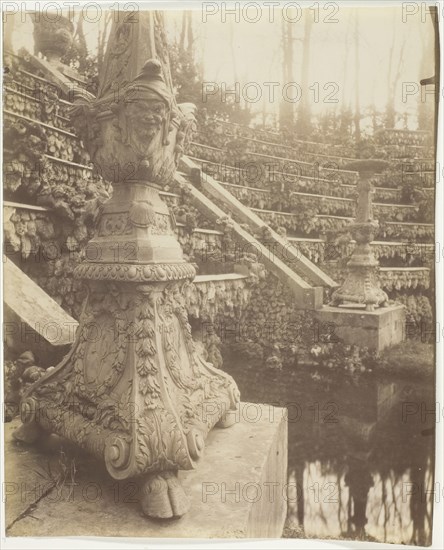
{"x":239,"y":463}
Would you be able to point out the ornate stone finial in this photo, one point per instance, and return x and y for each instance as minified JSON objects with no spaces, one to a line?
{"x":151,"y":76}
{"x":53,"y":35}
{"x":361,"y":284}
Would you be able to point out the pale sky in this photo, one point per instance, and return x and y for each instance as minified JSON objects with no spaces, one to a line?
{"x":259,"y":58}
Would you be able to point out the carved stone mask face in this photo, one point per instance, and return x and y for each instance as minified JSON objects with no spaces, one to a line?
{"x":144,"y":120}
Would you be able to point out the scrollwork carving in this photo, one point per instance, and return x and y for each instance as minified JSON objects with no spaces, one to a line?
{"x":133,"y":389}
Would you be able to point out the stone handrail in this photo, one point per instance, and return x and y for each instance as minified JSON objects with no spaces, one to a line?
{"x":306,"y":296}
{"x":235,"y":207}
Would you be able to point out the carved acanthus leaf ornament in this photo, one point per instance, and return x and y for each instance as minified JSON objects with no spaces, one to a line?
{"x":134,"y":390}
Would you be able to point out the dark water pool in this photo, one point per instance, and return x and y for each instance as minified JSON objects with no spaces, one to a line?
{"x":360,"y":451}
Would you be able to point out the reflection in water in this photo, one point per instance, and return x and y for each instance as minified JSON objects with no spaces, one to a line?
{"x":326,"y":500}
{"x":360,"y":453}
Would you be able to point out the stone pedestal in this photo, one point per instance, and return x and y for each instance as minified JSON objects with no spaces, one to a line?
{"x":361,"y":284}
{"x":238,"y":489}
{"x":133,"y":390}
{"x":373,"y":329}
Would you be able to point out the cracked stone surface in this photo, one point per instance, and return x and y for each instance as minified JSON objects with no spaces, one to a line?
{"x":55,"y":489}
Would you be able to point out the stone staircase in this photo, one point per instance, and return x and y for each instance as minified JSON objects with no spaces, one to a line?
{"x":309,"y":203}
{"x":242,"y":199}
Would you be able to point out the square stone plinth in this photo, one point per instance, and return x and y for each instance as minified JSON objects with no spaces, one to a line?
{"x":373,"y":329}
{"x":237,"y":490}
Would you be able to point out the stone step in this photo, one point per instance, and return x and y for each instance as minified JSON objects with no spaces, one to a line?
{"x":390,"y":230}
{"x":38,"y":84}
{"x":298,"y":153}
{"x":266,"y":199}
{"x":410,"y":141}
{"x":394,"y":278}
{"x":257,"y":176}
{"x":244,"y":215}
{"x":23,"y":100}
{"x":324,"y":167}
{"x":305,"y":223}
{"x":202,"y":279}
{"x":217,"y":126}
{"x":394,"y":136}
{"x":395,"y":180}
{"x":322,"y":223}
{"x":65,"y":80}
{"x":319,"y":250}
{"x":60,"y":143}
{"x":225,"y":294}
{"x":260,"y":182}
{"x":281,"y":164}
{"x":247,"y":454}
{"x":334,"y":161}
{"x":29,"y":207}
{"x":310,"y":147}
{"x":404,"y":151}
{"x":403,"y":278}
{"x":305,"y":295}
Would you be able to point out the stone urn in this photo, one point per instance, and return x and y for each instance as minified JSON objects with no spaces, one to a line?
{"x":53,"y":35}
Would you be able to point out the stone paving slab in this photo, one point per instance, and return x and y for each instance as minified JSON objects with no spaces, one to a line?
{"x":53,"y":489}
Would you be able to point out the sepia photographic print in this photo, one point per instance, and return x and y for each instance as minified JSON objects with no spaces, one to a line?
{"x":222,"y":274}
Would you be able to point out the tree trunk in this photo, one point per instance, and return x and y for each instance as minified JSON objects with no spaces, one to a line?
{"x":190,"y":35}
{"x":425,"y":103}
{"x":392,"y":81}
{"x":304,"y":116}
{"x":234,"y":64}
{"x":102,"y":40}
{"x":344,"y":127}
{"x":357,"y":98}
{"x":81,"y":43}
{"x":8,"y":29}
{"x":183,"y":31}
{"x":286,"y":111}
